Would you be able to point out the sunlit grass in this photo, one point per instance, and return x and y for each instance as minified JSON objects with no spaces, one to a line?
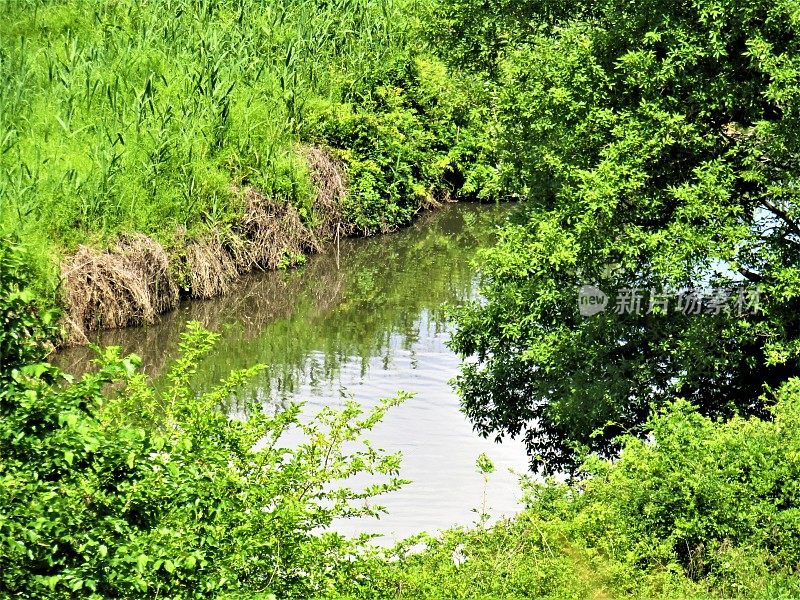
{"x":138,"y":116}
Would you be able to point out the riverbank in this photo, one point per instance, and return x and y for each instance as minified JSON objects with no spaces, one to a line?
{"x":137,"y":278}
{"x":358,"y":322}
{"x":684,"y":515}
{"x":148,"y":490}
{"x":186,"y":146}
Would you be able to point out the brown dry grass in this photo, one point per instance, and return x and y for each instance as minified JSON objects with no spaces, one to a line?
{"x":210,"y":266}
{"x":132,"y":283}
{"x":271,"y":230}
{"x":127,"y":285}
{"x":327,"y":175}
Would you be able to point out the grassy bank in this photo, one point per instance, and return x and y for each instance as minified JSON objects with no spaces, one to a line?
{"x":234,"y":135}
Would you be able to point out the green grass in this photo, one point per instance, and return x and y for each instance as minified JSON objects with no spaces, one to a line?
{"x":128,"y":116}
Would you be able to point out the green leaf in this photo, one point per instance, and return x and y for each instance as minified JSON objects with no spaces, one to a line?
{"x":141,"y":562}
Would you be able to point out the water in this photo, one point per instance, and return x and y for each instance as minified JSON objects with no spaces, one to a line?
{"x":364,"y":323}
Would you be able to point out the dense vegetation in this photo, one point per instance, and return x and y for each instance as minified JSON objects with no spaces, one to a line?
{"x":707,"y":510}
{"x":656,"y":146}
{"x":123,"y":116}
{"x":156,"y":492}
{"x":115,"y":488}
{"x":191,"y":123}
{"x":653,"y":146}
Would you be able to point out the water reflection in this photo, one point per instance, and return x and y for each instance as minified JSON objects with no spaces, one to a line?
{"x":364,"y":324}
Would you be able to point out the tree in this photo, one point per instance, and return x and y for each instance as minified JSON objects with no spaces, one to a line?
{"x":656,"y":147}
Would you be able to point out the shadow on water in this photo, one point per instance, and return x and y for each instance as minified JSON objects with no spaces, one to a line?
{"x":365,"y":323}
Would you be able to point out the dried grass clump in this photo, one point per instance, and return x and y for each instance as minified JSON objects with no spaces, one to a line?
{"x":327,"y":175}
{"x":131,"y":283}
{"x":127,"y":285}
{"x":211,"y":268}
{"x":151,"y":260}
{"x":273,"y":230}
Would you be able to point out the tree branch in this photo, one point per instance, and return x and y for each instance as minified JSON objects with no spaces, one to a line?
{"x":781,"y":214}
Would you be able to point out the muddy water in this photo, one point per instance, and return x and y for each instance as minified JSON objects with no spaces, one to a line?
{"x":365,"y":322}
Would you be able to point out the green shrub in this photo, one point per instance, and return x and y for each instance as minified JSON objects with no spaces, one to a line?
{"x":703,"y":509}
{"x":26,"y":327}
{"x":111,"y":486}
{"x":712,"y":497}
{"x":418,"y":137}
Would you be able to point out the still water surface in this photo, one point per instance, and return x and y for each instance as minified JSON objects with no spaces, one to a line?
{"x":365,"y":323}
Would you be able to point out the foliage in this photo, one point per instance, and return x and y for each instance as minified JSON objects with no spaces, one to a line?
{"x":464,"y":33}
{"x":702,"y":510}
{"x":150,"y":492}
{"x":656,"y":147}
{"x":160,"y":493}
{"x":27,"y":328}
{"x":129,"y":117}
{"x":719,"y":499}
{"x":419,"y":137}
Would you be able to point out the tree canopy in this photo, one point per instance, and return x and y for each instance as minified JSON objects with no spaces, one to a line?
{"x":655,"y":146}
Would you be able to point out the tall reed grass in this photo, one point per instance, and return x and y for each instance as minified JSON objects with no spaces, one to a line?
{"x":127,"y":116}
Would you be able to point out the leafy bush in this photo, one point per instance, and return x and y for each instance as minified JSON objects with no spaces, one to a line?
{"x":417,"y":136}
{"x":702,"y":509}
{"x":718,"y":499}
{"x":112,"y":486}
{"x":27,"y":328}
